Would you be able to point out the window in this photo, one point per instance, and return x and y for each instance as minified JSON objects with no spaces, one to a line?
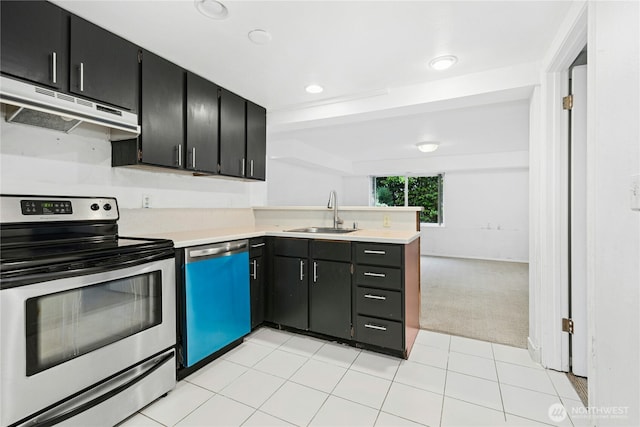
{"x":425,"y":191}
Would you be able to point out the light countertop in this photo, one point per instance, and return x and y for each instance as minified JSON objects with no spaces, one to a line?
{"x":183,"y":239}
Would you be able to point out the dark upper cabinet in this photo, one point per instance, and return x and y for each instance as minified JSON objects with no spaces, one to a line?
{"x":202,"y":125}
{"x":103,"y":66}
{"x":232,"y":134}
{"x":34,"y":42}
{"x":256,"y":141}
{"x":162,"y":112}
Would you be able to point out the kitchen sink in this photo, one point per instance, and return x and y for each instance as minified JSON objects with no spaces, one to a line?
{"x":329,"y":230}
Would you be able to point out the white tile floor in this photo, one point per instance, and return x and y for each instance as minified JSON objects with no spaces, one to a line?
{"x":276,"y":378}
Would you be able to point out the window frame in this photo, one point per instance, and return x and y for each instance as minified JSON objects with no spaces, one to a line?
{"x":373,"y":194}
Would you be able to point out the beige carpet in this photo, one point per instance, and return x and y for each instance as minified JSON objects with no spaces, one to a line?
{"x":485,"y":300}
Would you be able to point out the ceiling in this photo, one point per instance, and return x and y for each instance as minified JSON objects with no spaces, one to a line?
{"x":353,"y":49}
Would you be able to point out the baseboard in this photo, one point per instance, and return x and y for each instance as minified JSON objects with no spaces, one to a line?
{"x":473,"y":257}
{"x":534,"y":351}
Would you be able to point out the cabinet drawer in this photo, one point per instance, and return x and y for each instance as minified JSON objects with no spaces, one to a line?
{"x":330,"y":250}
{"x":384,"y":277}
{"x":379,"y":254}
{"x":291,"y":247}
{"x":379,"y":303}
{"x":383,"y":333}
{"x":256,"y":247}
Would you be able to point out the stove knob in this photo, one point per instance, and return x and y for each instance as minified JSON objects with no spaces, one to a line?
{"x":95,"y":207}
{"x":107,"y":207}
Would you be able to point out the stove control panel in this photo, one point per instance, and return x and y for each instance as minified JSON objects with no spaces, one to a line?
{"x":18,"y":209}
{"x":46,"y":207}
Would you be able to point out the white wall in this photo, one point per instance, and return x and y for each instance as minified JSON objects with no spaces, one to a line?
{"x":614,"y":232}
{"x":290,"y":184}
{"x":485,"y":216}
{"x":41,"y":161}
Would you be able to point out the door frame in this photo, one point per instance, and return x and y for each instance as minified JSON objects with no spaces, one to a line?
{"x":549,"y":215}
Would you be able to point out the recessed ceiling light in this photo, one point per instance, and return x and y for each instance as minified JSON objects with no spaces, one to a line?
{"x":427,"y":147}
{"x":443,"y":62}
{"x":259,"y":36}
{"x":313,"y":88}
{"x":212,"y":9}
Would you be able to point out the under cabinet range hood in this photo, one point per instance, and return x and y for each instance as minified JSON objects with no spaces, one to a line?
{"x":38,"y":106}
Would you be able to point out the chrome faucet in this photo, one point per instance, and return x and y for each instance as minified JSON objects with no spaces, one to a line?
{"x":333,"y":204}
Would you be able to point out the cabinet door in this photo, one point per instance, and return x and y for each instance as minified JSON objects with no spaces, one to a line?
{"x":202,"y":125}
{"x":34,"y":42}
{"x":161,"y":109}
{"x":103,"y":66}
{"x":256,"y":271}
{"x":330,"y":298}
{"x":232,"y":134}
{"x":256,"y":141}
{"x":290,"y":299}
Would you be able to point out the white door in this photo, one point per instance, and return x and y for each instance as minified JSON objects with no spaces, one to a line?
{"x":579,"y":220}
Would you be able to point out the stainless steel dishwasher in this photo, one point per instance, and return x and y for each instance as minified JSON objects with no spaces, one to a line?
{"x":217,"y":308}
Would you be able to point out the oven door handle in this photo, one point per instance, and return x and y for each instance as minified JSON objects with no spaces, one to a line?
{"x":54,"y":417}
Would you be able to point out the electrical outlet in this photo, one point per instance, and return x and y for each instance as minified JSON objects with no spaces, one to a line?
{"x":146,"y":201}
{"x":386,"y":221}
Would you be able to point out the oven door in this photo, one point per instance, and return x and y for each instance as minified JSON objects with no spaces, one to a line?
{"x":64,"y":337}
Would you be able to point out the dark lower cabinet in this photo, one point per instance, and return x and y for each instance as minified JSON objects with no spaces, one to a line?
{"x":162,"y":112}
{"x":33,"y":40}
{"x":330,"y":298}
{"x":257,"y":280}
{"x":290,"y":292}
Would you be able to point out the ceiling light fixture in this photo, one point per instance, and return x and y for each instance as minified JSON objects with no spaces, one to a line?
{"x":427,"y":147}
{"x":259,"y":36}
{"x":443,"y":62}
{"x":313,"y":88}
{"x":212,"y":9}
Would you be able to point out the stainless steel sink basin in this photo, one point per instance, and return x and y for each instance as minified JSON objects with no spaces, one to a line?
{"x":329,"y":230}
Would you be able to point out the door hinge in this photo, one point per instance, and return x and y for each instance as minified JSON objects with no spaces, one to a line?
{"x":567,"y":102}
{"x":352,"y":332}
{"x":139,"y":56}
{"x":351,"y":268}
{"x":139,"y":155}
{"x":567,"y":325}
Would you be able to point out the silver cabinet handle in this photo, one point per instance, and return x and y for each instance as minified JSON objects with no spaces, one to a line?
{"x":258,"y":245}
{"x":179,"y":160}
{"x":367,"y":273}
{"x":54,"y":64}
{"x":301,"y":270}
{"x":244,"y":163}
{"x":254,"y":276}
{"x":371,"y":252}
{"x":193,"y":157}
{"x":82,"y":77}
{"x":315,"y":272}
{"x":251,"y":167}
{"x":378,"y":297}
{"x":376,"y":327}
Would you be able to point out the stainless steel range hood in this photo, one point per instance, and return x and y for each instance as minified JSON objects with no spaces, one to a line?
{"x":34,"y":105}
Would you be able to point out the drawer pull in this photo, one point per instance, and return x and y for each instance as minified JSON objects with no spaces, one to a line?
{"x":378,"y":297}
{"x":372,"y":252}
{"x":258,"y":245}
{"x":367,"y":273}
{"x":376,"y":327}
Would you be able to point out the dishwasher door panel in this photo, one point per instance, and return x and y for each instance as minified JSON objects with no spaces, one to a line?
{"x":218,"y":308}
